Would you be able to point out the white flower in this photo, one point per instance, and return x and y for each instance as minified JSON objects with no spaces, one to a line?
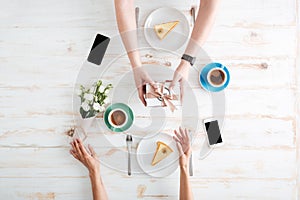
{"x":85,"y":106}
{"x":96,"y":106}
{"x":106,"y":100}
{"x":88,"y":96}
{"x":107,"y":91}
{"x":102,"y":108}
{"x":101,"y":88}
{"x":92,"y":89}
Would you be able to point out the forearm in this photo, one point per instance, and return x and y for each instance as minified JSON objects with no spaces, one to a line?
{"x":98,"y":189}
{"x":125,"y":15}
{"x":204,"y":22}
{"x":185,"y":187}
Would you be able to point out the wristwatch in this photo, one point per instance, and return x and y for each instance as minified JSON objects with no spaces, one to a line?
{"x":189,"y":58}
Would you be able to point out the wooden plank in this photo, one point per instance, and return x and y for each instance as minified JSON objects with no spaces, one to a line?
{"x":253,"y":73}
{"x":265,"y":101}
{"x":21,"y":101}
{"x":244,"y":189}
{"x":272,"y":133}
{"x":260,"y":159}
{"x":79,"y":188}
{"x":257,"y":14}
{"x":297,"y":108}
{"x":221,"y":163}
{"x":90,"y":14}
{"x":257,"y":43}
{"x":56,"y":13}
{"x":39,"y":72}
{"x":52,"y":72}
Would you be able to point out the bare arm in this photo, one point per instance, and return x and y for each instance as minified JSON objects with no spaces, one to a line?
{"x":98,"y":188}
{"x":125,"y":15}
{"x":184,"y":147}
{"x":90,"y":160}
{"x":202,"y":27}
{"x":185,"y":187}
{"x":204,"y":22}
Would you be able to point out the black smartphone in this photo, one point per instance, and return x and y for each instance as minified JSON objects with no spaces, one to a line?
{"x":213,"y":132}
{"x":98,"y":49}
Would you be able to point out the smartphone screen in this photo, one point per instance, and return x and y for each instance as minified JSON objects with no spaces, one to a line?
{"x":98,"y":49}
{"x":213,"y":132}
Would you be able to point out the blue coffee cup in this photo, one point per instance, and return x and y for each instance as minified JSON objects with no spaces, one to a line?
{"x":214,"y":77}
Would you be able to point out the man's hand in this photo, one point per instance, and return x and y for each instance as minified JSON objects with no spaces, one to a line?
{"x":181,"y":75}
{"x":87,"y":157}
{"x":141,"y":77}
{"x":184,"y":147}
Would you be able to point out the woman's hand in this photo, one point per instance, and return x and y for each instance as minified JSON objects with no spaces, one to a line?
{"x":184,"y":147}
{"x":141,"y":77}
{"x":87,"y":157}
{"x":181,"y":75}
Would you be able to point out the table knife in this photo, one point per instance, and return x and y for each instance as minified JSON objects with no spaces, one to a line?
{"x":129,"y":142}
{"x":191,"y":157}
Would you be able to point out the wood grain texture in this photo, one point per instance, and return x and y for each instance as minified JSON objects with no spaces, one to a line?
{"x":43,"y":45}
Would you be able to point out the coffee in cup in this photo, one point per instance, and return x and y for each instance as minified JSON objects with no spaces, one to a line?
{"x":216,"y":77}
{"x":117,"y":118}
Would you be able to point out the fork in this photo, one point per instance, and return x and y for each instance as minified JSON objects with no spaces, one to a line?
{"x":137,"y":12}
{"x":129,"y":143}
{"x":193,"y":15}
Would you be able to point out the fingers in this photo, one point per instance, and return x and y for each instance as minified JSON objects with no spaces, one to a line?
{"x":76,"y":148}
{"x":141,"y":95}
{"x":150,"y":81}
{"x":81,"y":147}
{"x":73,"y":153}
{"x":182,"y":137}
{"x":176,"y":139}
{"x":186,"y":133}
{"x":178,"y":136}
{"x":91,"y":149}
{"x":183,"y":133}
{"x":73,"y":145}
{"x":172,"y":84}
{"x":174,"y":81}
{"x":179,"y":147}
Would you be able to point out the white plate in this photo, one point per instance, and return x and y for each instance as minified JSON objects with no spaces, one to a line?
{"x":176,"y":38}
{"x":146,"y":150}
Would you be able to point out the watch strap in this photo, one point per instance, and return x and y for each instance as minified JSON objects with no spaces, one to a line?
{"x":189,"y":58}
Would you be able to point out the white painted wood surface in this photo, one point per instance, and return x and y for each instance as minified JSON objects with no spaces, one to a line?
{"x":42,"y":47}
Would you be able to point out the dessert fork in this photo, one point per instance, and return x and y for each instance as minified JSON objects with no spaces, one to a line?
{"x":129,"y":143}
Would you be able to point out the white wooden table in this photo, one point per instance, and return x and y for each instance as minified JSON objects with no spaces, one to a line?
{"x":43,"y":45}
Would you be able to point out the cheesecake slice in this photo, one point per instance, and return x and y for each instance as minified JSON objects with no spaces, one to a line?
{"x":162,"y":151}
{"x":162,"y":30}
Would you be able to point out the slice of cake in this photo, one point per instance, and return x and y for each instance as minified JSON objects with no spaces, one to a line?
{"x":162,"y":151}
{"x":162,"y":30}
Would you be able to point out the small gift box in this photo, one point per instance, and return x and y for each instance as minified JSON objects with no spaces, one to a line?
{"x":162,"y":96}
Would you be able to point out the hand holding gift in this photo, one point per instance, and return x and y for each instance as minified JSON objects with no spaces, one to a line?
{"x":161,"y":95}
